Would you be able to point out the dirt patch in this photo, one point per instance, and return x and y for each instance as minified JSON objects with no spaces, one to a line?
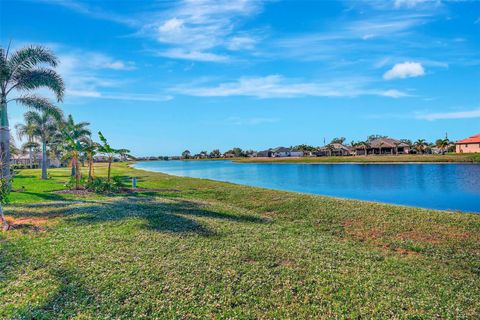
{"x":439,"y":236}
{"x":387,"y":236}
{"x":28,"y":224}
{"x":358,"y":230}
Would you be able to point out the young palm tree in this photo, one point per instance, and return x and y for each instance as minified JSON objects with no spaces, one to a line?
{"x":74,"y":149}
{"x":90,"y":148}
{"x":110,"y":152}
{"x":77,"y":132}
{"x":23,"y":71}
{"x":45,"y":127}
{"x":27,"y":131}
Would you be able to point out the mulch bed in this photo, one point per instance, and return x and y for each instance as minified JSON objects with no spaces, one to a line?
{"x":72,"y":191}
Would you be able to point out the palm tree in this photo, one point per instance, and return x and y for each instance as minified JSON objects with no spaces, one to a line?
{"x":27,"y":131}
{"x":90,"y":149}
{"x":420,"y":145}
{"x":442,"y":144}
{"x":365,"y":145}
{"x":380,"y":147}
{"x":77,"y":132}
{"x":32,"y":148}
{"x":74,"y":148}
{"x":110,"y":152}
{"x":45,"y":127}
{"x":330,"y":149}
{"x":23,"y":71}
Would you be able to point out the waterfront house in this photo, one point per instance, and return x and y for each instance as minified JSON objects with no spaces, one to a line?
{"x":334,"y":149}
{"x":279,"y":152}
{"x":468,"y":145}
{"x":383,"y":146}
{"x":229,"y":155}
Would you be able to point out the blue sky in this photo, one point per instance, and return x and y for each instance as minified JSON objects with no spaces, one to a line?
{"x":159,"y":77}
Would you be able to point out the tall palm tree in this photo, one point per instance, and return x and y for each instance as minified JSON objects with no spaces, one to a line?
{"x":24,"y":71}
{"x":26,"y":130}
{"x":45,"y":127}
{"x":110,"y":152}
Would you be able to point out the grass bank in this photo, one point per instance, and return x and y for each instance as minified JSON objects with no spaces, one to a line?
{"x":190,"y":248}
{"x":461,"y":158}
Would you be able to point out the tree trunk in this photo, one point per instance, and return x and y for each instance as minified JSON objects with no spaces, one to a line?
{"x":30,"y":157}
{"x":109,"y":167}
{"x":4,"y":139}
{"x":73,"y":172}
{"x":5,"y":226}
{"x":90,"y":169}
{"x":77,"y":174}
{"x":44,"y":161}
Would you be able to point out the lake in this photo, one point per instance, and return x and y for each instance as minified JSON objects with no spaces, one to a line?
{"x":435,"y":186}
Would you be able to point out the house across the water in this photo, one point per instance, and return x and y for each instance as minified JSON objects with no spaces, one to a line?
{"x":280,"y":152}
{"x":383,"y":146}
{"x":468,"y":145}
{"x":334,"y":149}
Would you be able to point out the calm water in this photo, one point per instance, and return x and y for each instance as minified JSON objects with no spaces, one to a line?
{"x":437,"y":186}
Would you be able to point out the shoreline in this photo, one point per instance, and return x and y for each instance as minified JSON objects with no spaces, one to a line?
{"x":364,"y":201}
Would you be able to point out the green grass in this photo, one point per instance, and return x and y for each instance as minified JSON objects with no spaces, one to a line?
{"x":451,"y":157}
{"x":195,"y":248}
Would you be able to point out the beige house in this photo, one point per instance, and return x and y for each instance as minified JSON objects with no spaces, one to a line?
{"x":468,"y":145}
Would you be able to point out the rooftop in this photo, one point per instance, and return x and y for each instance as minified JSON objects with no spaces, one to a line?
{"x":472,"y":139}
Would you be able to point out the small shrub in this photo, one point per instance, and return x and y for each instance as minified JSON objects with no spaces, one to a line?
{"x":101,"y":185}
{"x":71,"y":184}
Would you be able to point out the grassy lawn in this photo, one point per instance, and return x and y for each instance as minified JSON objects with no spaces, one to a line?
{"x":473,"y":158}
{"x":192,"y":248}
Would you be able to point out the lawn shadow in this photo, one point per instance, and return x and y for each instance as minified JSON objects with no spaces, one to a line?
{"x":45,"y":195}
{"x":65,"y":303}
{"x":159,"y":214}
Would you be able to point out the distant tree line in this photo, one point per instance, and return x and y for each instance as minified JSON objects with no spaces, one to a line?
{"x":420,"y":146}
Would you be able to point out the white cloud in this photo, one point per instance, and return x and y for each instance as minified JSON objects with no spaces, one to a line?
{"x":405,"y":70}
{"x":241,"y":43}
{"x":276,"y":86}
{"x":193,"y":55}
{"x":393,"y":93}
{"x":172,"y":25}
{"x":118,"y":96}
{"x":412,"y":3}
{"x":467,"y":114}
{"x":194,"y":28}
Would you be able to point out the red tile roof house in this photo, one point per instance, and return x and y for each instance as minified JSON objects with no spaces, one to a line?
{"x":468,"y":145}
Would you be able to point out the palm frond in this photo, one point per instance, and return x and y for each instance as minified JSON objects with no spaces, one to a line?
{"x":39,"y":103}
{"x":32,"y":117}
{"x":40,"y":78}
{"x":31,"y":56}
